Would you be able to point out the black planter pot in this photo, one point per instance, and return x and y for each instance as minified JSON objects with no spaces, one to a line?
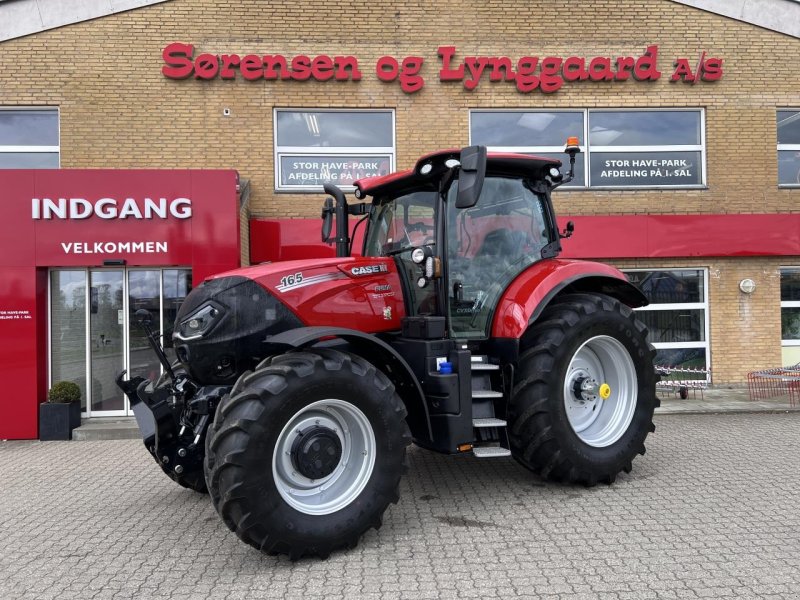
{"x":56,"y":421}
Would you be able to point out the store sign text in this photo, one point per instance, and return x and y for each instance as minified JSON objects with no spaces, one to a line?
{"x":528,"y":73}
{"x":341,"y":170}
{"x":110,"y":208}
{"x":662,"y":168}
{"x":115,"y":247}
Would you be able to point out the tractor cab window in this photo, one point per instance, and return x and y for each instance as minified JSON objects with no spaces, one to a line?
{"x":488,"y":245}
{"x":396,"y":227}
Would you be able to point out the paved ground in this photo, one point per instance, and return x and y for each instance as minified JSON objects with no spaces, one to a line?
{"x":710,"y":511}
{"x":721,"y":399}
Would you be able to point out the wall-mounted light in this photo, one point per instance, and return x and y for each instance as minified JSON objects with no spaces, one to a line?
{"x":114,"y":262}
{"x":226,"y":112}
{"x":747,"y":286}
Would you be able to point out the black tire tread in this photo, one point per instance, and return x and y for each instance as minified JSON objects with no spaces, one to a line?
{"x":535,"y":442}
{"x":237,"y":415}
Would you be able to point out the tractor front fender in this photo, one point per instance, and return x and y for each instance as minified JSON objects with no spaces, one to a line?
{"x":374,"y":350}
{"x":539,"y":285}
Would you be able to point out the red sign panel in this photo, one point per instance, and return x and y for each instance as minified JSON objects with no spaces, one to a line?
{"x":90,"y":218}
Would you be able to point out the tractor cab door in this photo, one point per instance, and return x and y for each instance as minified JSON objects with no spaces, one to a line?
{"x":396,"y":227}
{"x":488,"y":245}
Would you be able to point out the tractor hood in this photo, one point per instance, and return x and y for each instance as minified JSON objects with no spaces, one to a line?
{"x":222,"y":325}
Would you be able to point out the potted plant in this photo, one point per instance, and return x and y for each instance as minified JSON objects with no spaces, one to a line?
{"x":61,"y":413}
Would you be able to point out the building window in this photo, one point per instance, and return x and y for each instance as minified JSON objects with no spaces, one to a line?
{"x":646,"y":148}
{"x":677,"y":316}
{"x":331,"y":146}
{"x":789,"y":148}
{"x":29,"y":138}
{"x":539,"y":133}
{"x":790,"y":315}
{"x":659,"y":148}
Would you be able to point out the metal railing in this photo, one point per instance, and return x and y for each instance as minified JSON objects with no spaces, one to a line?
{"x":680,"y":381}
{"x":773,"y":383}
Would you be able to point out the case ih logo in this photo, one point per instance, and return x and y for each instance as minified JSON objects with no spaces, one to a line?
{"x":369,"y":270}
{"x":110,"y":208}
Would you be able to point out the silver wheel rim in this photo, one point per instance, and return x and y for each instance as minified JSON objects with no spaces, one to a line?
{"x":338,"y":489}
{"x":600,"y":415}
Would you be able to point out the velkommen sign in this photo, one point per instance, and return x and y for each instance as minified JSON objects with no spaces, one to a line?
{"x":546,"y":74}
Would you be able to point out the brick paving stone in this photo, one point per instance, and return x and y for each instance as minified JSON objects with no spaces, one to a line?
{"x":708,"y":512}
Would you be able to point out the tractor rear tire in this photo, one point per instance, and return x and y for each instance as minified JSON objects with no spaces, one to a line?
{"x":306,"y":453}
{"x":585,"y":391}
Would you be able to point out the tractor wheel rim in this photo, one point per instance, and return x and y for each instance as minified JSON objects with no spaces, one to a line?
{"x":600,"y":391}
{"x":339,"y":488}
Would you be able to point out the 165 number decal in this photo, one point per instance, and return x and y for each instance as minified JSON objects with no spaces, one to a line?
{"x":292,"y":279}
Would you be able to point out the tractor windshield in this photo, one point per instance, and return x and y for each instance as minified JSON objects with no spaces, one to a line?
{"x":488,"y":245}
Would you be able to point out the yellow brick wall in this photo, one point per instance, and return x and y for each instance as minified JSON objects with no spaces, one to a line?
{"x":118,"y":110}
{"x":744,"y":330}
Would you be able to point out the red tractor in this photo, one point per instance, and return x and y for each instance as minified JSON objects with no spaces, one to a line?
{"x":299,"y":385}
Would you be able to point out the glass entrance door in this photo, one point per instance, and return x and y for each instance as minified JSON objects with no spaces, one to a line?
{"x":94,"y":333}
{"x":106,"y":340}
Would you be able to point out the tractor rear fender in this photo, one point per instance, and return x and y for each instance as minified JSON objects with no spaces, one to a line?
{"x":372,"y":349}
{"x":538,"y":286}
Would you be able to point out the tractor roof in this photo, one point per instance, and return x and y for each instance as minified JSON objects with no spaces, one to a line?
{"x":498,"y":163}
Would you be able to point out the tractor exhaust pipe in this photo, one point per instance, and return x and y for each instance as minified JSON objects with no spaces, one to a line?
{"x":342,"y":238}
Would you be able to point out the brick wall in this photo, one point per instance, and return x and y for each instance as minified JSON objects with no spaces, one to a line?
{"x":117,"y":110}
{"x":744,"y":330}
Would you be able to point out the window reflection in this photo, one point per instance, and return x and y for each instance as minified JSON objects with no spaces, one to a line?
{"x":789,"y":126}
{"x":28,"y":127}
{"x":68,"y":330}
{"x":644,"y":128}
{"x":334,"y":129}
{"x":511,"y":128}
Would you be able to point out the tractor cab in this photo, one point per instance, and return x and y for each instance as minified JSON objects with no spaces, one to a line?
{"x":461,"y":226}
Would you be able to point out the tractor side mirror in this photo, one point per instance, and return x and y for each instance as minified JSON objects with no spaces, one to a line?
{"x":470,"y":179}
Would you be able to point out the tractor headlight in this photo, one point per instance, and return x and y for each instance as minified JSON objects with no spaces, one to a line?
{"x":199,"y":323}
{"x":418,"y":255}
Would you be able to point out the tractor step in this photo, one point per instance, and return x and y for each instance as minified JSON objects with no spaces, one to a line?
{"x":488,"y":423}
{"x":486,"y":394}
{"x":478,"y":366}
{"x":490,"y":451}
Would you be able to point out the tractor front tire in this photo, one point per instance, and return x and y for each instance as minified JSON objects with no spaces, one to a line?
{"x":306,"y":453}
{"x":584,"y":393}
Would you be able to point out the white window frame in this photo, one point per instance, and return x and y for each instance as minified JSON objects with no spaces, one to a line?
{"x":706,"y":343}
{"x":789,"y":147}
{"x":701,"y":147}
{"x":788,"y":304}
{"x":366,"y":152}
{"x":588,"y":149}
{"x":35,"y":149}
